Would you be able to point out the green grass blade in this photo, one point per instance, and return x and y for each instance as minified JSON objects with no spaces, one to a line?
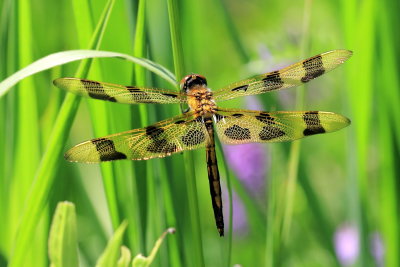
{"x":170,"y":216}
{"x":63,"y":244}
{"x":111,"y":255}
{"x":295,"y":145}
{"x":361,"y":16}
{"x":146,"y":169}
{"x":196,"y":249}
{"x":176,"y":39}
{"x":129,"y":193}
{"x":389,"y":132}
{"x":271,"y":229}
{"x":61,"y":58}
{"x":140,"y":169}
{"x":388,"y":198}
{"x":8,"y":56}
{"x":323,"y":226}
{"x":98,"y":110}
{"x":45,"y":175}
{"x":27,"y":140}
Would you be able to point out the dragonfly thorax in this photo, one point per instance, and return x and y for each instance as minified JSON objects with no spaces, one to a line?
{"x":200,"y":100}
{"x":199,"y":96}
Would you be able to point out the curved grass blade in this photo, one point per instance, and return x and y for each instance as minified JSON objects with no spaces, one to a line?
{"x":142,"y":261}
{"x":110,"y":255}
{"x":64,"y":57}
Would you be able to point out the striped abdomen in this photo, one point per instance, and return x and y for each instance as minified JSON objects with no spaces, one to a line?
{"x":213,"y":177}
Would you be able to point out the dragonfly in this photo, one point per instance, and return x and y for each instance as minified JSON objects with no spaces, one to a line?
{"x":197,"y":127}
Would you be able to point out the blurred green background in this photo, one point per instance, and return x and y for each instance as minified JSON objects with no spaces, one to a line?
{"x":331,"y":201}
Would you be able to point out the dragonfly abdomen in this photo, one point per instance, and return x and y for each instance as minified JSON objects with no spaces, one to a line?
{"x":213,"y":177}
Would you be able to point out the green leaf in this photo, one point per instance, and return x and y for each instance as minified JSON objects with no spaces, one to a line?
{"x":63,"y":238}
{"x":64,"y":57}
{"x":111,"y":253}
{"x":125,"y":258}
{"x":142,"y":261}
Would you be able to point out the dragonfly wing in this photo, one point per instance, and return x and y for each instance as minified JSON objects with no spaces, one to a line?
{"x":293,"y":75}
{"x":118,"y":93}
{"x":183,"y":132}
{"x":245,"y":126}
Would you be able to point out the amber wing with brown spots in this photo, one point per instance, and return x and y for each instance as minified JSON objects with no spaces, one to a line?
{"x":118,"y":93}
{"x":246,"y":126}
{"x":183,"y":132}
{"x":293,"y":75}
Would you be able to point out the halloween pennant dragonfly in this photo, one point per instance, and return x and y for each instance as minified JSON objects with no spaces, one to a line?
{"x":196,"y":127}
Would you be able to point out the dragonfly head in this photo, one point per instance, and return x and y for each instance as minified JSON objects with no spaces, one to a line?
{"x":191,"y":80}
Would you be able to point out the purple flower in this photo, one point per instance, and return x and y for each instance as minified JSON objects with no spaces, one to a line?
{"x":377,"y":249}
{"x":347,"y":244}
{"x":249,"y":162}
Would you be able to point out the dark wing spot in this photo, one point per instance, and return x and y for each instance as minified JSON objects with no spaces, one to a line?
{"x":237,"y":133}
{"x":180,"y":122}
{"x":268,"y":133}
{"x":106,"y":149}
{"x":153,"y":131}
{"x":161,"y":146}
{"x":314,"y":68}
{"x":238,"y":115}
{"x":96,"y":90}
{"x":273,"y":81}
{"x":265,"y":118}
{"x":243,"y":87}
{"x":193,"y":137}
{"x":311,"y":118}
{"x":134,"y":89}
{"x":218,"y":117}
{"x":170,"y":95}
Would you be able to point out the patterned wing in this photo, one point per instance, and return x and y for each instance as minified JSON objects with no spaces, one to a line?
{"x":246,"y":126}
{"x":183,"y":132}
{"x":118,"y":93}
{"x":293,"y":75}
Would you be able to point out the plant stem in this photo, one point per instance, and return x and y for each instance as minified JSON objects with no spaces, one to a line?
{"x":177,"y":51}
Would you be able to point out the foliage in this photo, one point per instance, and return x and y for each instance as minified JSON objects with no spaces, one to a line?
{"x":311,"y":199}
